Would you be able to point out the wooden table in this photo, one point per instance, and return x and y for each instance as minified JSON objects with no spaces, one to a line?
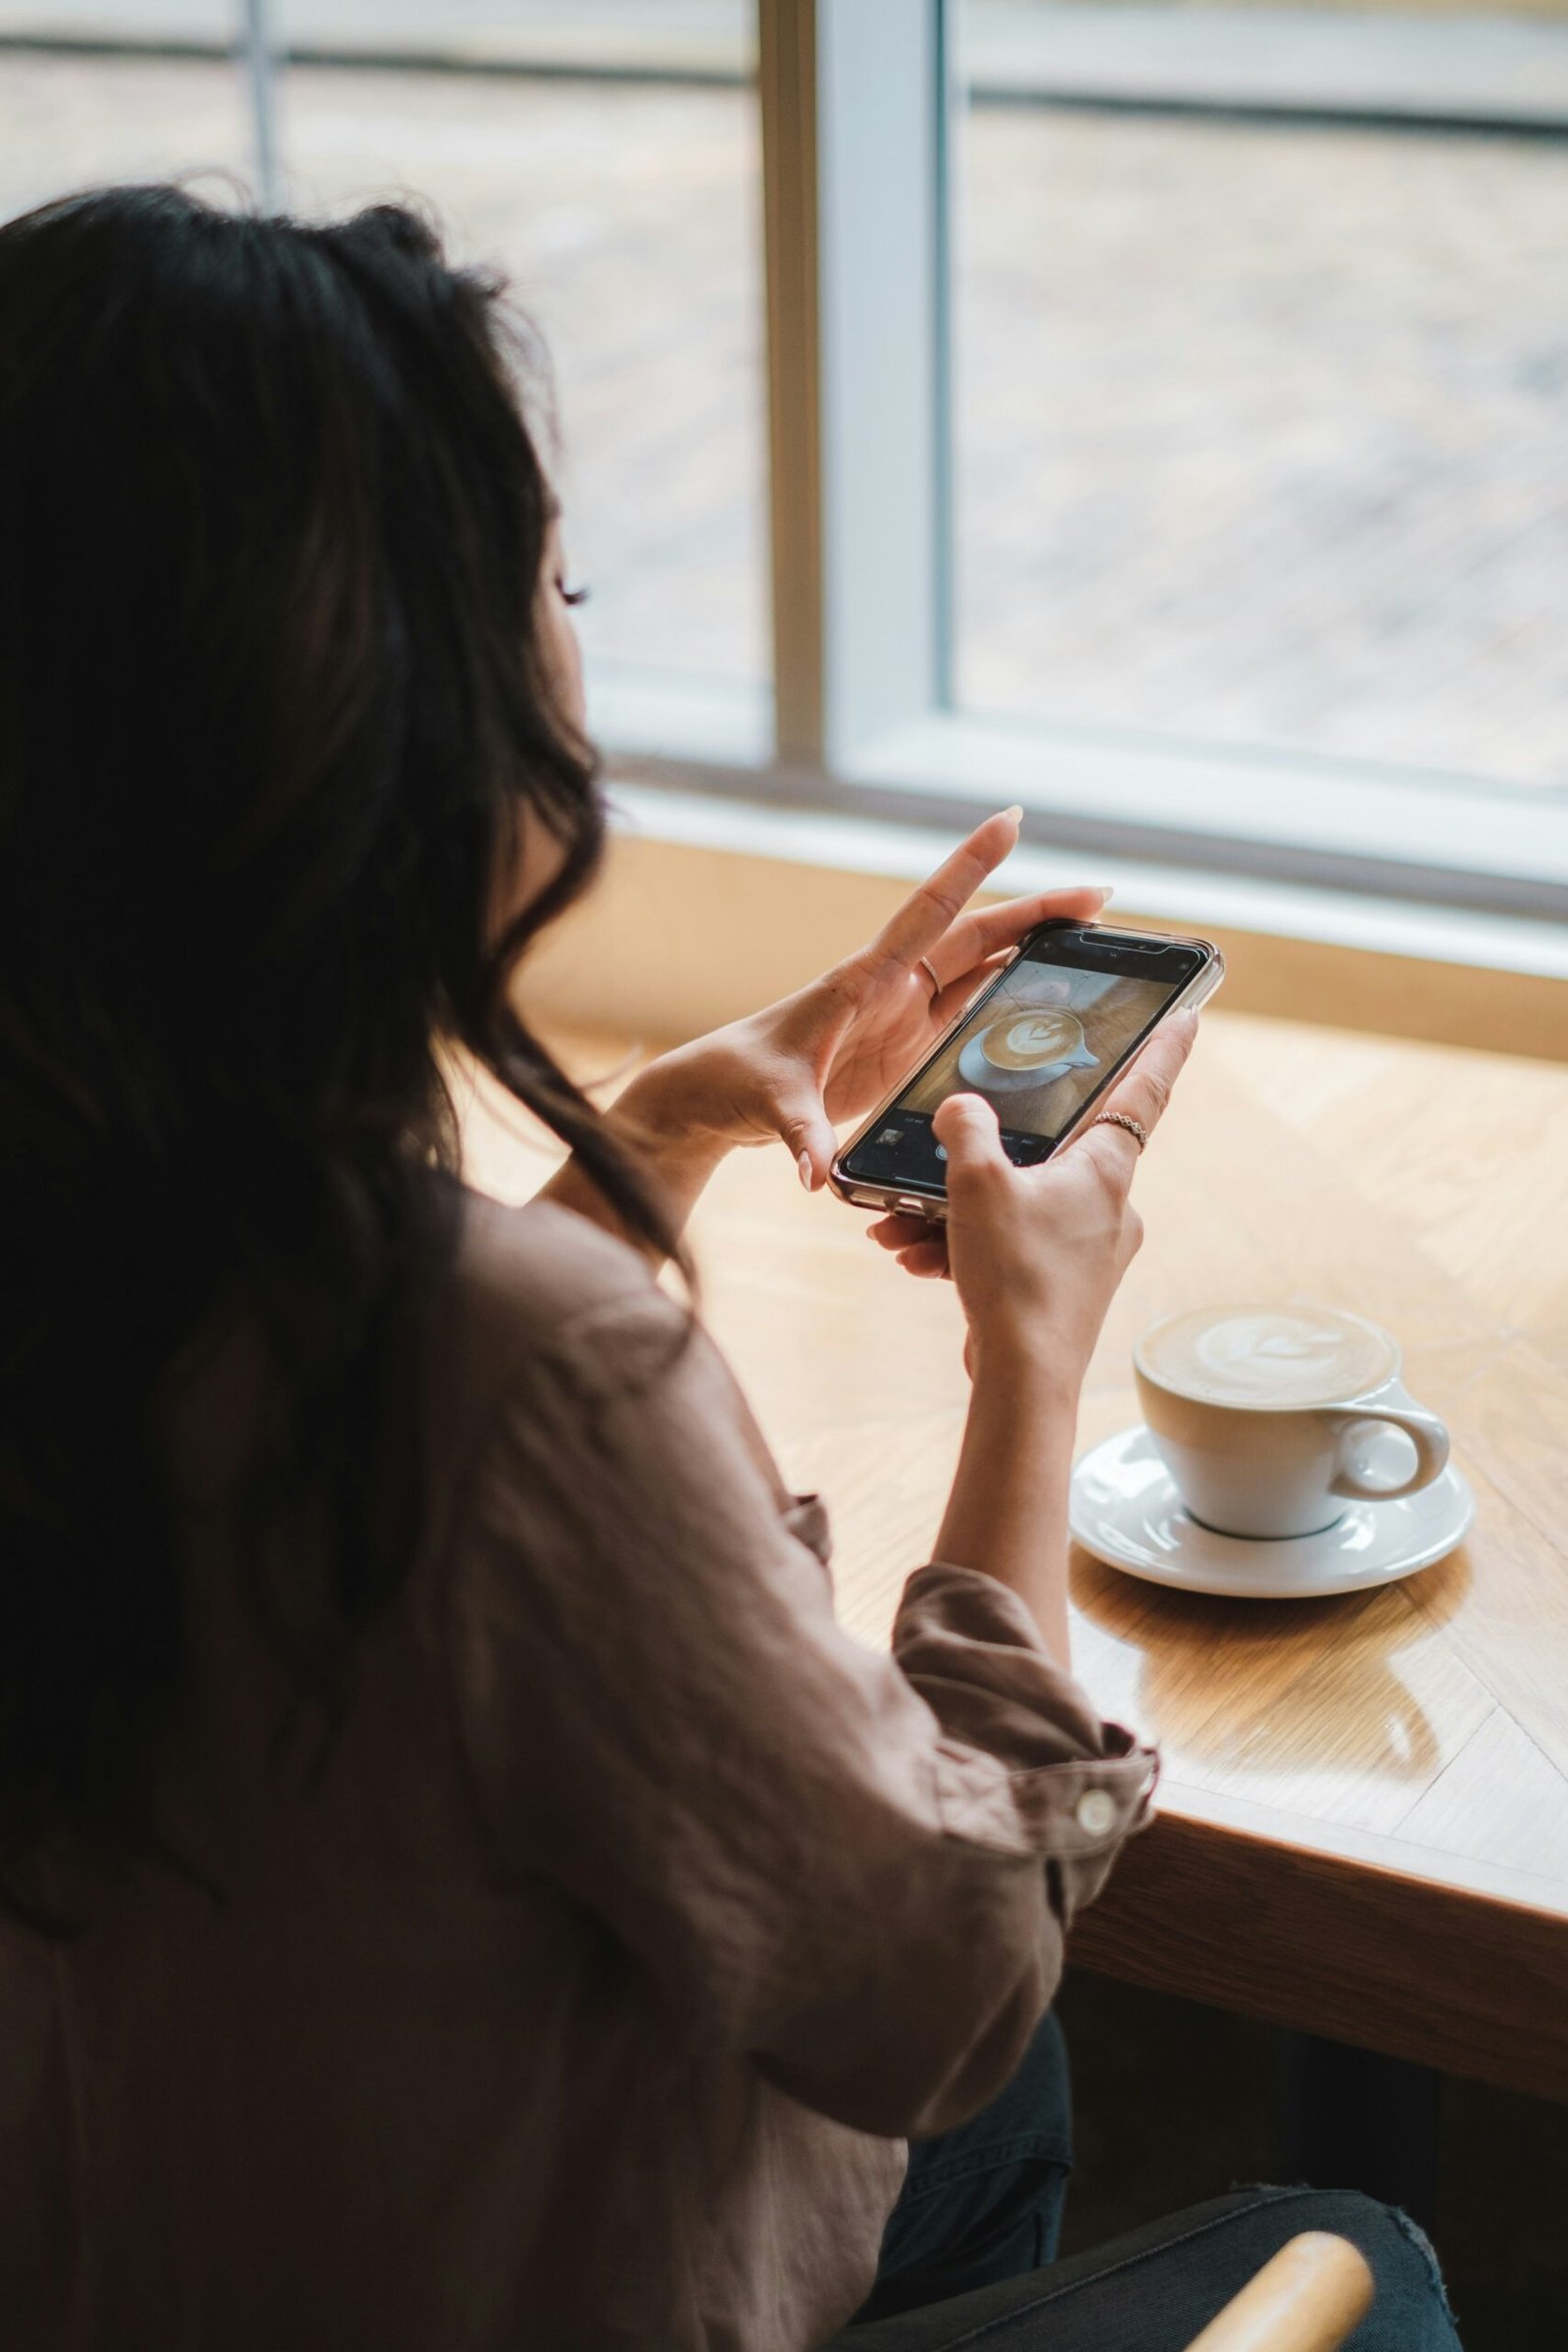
{"x":1364,"y":1825}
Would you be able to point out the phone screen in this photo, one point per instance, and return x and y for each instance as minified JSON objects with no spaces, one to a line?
{"x":1051,"y":1034}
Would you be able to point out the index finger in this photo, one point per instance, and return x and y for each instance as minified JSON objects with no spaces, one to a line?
{"x":1147,"y":1088}
{"x":927,"y":912}
{"x":989,"y":930}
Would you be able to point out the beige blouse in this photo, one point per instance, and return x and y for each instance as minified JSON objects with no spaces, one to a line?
{"x":587,"y":2000}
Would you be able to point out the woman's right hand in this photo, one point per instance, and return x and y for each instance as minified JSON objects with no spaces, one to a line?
{"x":1036,"y":1254}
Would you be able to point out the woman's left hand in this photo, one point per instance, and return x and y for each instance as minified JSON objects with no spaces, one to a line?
{"x":828,"y":1054}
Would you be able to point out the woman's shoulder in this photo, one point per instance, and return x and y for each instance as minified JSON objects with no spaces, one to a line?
{"x":539,"y":1294}
{"x":526,"y":1280}
{"x":546,"y":1319}
{"x":518,"y":1283}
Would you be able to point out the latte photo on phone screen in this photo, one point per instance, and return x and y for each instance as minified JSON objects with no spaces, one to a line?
{"x":1043,"y":1045}
{"x":1046,"y":1038}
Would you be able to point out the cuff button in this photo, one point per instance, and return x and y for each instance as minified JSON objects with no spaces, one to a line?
{"x":1096,"y":1812}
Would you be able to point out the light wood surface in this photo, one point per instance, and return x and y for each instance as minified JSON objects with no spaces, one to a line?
{"x":1363,"y":1821}
{"x":1307,"y":2300}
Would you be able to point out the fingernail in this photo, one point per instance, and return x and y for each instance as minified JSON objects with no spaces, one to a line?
{"x":1015,"y":813}
{"x":804,"y":1163}
{"x":1105,"y":894}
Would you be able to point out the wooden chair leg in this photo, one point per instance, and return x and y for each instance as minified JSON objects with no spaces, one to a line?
{"x":1307,"y":2299}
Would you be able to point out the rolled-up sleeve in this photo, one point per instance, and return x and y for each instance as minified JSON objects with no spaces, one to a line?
{"x":1026,"y":1761}
{"x":852,"y":1869}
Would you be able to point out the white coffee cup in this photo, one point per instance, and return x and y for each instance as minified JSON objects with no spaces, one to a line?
{"x":1271,"y":1419}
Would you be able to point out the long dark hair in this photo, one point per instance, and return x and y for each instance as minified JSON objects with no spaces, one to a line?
{"x":273,"y":705}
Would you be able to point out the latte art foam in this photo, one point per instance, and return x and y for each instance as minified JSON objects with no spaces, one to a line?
{"x":1280,"y":1355}
{"x":1030,"y":1041}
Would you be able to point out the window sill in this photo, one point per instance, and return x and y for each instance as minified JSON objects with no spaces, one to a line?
{"x":1341,"y":825}
{"x":714,"y":903}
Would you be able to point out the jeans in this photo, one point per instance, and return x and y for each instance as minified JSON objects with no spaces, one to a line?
{"x":967,"y":2255}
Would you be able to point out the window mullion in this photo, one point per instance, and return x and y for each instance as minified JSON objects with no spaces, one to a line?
{"x":259,"y":38}
{"x":881,"y":107}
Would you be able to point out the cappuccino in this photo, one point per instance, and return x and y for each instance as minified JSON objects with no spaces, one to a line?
{"x":1268,"y":1357}
{"x":1272,"y":1418}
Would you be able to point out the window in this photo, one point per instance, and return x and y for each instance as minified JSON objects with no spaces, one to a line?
{"x":607,"y":157}
{"x":1153,"y":415}
{"x":628,"y":217}
{"x":1263,"y":411}
{"x":76,"y":108}
{"x":1189,"y":420}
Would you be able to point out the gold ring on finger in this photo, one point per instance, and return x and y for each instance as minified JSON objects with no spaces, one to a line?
{"x":929,"y":969}
{"x":1120,"y":1118}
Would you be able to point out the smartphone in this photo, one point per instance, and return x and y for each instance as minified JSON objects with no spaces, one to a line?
{"x":1044,"y":1042}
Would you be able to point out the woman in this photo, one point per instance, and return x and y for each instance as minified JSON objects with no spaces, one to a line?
{"x":460,"y":1888}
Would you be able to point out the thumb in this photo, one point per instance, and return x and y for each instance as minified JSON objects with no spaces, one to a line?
{"x":807,"y":1136}
{"x":965,"y":1126}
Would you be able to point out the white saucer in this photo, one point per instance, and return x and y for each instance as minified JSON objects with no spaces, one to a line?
{"x":1125,"y":1509}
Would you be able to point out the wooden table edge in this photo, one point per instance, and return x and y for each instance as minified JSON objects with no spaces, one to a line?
{"x":1470,"y":1977}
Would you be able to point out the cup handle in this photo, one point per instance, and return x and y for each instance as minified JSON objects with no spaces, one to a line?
{"x":1426,"y":1432}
